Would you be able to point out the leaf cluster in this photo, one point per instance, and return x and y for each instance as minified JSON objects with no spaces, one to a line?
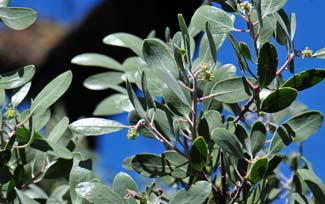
{"x":221,"y":128}
{"x":224,"y":130}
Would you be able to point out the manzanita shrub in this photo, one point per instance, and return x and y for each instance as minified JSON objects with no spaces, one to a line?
{"x":224,"y":133}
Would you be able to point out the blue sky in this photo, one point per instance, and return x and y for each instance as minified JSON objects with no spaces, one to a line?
{"x":310,"y":32}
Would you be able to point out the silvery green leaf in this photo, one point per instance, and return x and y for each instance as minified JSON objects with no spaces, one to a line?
{"x":159,"y":59}
{"x":104,"y":80}
{"x":17,"y":18}
{"x":95,"y":126}
{"x":24,"y":199}
{"x":97,"y":193}
{"x":51,"y":92}
{"x":320,"y":54}
{"x":220,"y":22}
{"x":271,"y":6}
{"x":96,"y":60}
{"x":4,"y":3}
{"x":232,"y":90}
{"x":59,"y":129}
{"x":17,"y":78}
{"x":19,"y":95}
{"x":125,"y":40}
{"x":114,"y":104}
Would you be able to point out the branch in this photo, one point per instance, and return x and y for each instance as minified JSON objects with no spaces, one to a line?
{"x":32,"y":180}
{"x":165,"y":141}
{"x":244,"y":109}
{"x":207,"y":179}
{"x":252,"y":33}
{"x":194,"y":108}
{"x":223,"y":178}
{"x":237,"y":192}
{"x":284,"y":66}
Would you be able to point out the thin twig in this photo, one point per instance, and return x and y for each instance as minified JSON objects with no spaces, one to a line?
{"x":233,"y":200}
{"x":194,"y":108}
{"x":184,"y":86}
{"x":208,"y":180}
{"x":254,"y":37}
{"x":165,"y":141}
{"x":244,"y":109}
{"x":254,"y":87}
{"x":32,"y":180}
{"x":24,"y":121}
{"x":223,"y":178}
{"x":284,"y":66}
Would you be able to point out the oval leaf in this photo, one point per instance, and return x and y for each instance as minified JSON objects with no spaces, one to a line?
{"x":197,"y":193}
{"x":267,"y":64}
{"x":17,"y":78}
{"x":77,"y":175}
{"x":280,"y":140}
{"x":227,"y":141}
{"x":5,"y":175}
{"x":258,"y":170}
{"x":177,"y":163}
{"x":231,"y":90}
{"x":271,"y":6}
{"x":58,"y":130}
{"x":4,"y":3}
{"x":135,"y":101}
{"x":24,"y":199}
{"x":150,"y":165}
{"x":114,"y":104}
{"x":213,"y":119}
{"x":122,"y":183}
{"x":103,"y":80}
{"x":314,"y":183}
{"x":59,"y":150}
{"x":279,"y":99}
{"x":274,"y":163}
{"x":5,"y":156}
{"x":219,"y":21}
{"x":226,"y":71}
{"x":244,"y":50}
{"x":199,"y":153}
{"x":60,"y":168}
{"x":205,"y":55}
{"x":18,"y":96}
{"x":17,"y":18}
{"x":305,"y":79}
{"x":157,"y":56}
{"x":97,"y":193}
{"x":58,"y":194}
{"x":257,"y":137}
{"x":51,"y":92}
{"x":125,"y":40}
{"x":174,"y":103}
{"x":303,"y":125}
{"x":96,"y":60}
{"x":95,"y":126}
{"x":320,"y":54}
